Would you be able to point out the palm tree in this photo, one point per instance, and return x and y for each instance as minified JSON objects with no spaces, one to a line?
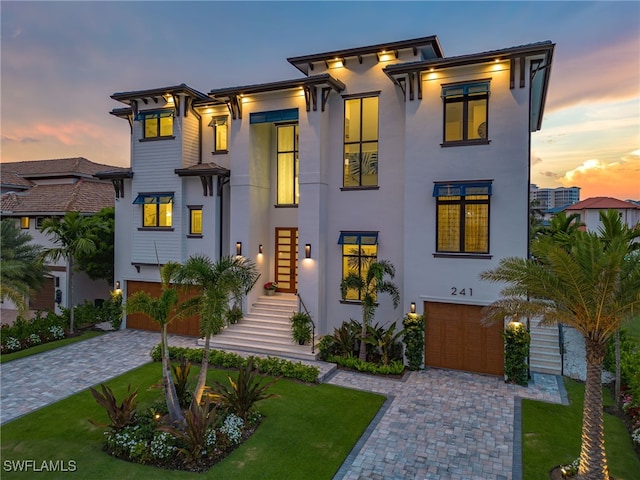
{"x":369,"y":286}
{"x":587,"y":286}
{"x":218,"y":282}
{"x":162,"y":310}
{"x":562,"y":227}
{"x":71,"y":237}
{"x":21,"y":266}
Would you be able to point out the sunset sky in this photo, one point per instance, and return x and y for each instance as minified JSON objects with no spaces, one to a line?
{"x":61,"y":61}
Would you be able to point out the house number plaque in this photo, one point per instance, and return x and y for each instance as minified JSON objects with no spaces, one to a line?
{"x":455,"y":291}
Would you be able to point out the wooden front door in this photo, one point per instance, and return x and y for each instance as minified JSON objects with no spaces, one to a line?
{"x":286,"y":266}
{"x":456,"y":338}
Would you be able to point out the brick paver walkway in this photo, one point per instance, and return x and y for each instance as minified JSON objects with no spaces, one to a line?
{"x":436,"y":424}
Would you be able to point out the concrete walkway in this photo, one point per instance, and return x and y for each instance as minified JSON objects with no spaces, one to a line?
{"x":436,"y":424}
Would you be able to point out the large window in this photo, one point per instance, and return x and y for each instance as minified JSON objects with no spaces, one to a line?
{"x":465,"y":113}
{"x":157,"y":209}
{"x":157,"y":124}
{"x":462,"y":217}
{"x":220,"y":134}
{"x":361,"y":142}
{"x":288,"y":165}
{"x":359,"y":250}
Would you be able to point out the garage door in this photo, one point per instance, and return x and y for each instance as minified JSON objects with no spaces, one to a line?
{"x":188,"y":326}
{"x":456,"y":339}
{"x":44,"y":298}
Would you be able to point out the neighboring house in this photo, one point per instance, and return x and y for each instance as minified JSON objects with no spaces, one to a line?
{"x":389,"y":151}
{"x":589,"y":211}
{"x":37,"y":189}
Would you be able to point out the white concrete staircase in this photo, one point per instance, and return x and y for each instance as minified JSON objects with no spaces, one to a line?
{"x":544,"y":353}
{"x":265,"y":329}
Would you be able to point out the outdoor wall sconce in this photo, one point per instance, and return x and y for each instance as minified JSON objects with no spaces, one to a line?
{"x":307,"y":250}
{"x":118,"y":285}
{"x":413,"y":307}
{"x":260,"y":249}
{"x":239,"y":249}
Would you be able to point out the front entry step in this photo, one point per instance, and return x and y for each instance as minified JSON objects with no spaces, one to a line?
{"x":265,"y":330}
{"x":544,"y":353}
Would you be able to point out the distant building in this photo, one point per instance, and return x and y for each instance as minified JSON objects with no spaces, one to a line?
{"x":589,"y":211}
{"x":550,"y":198}
{"x":38,"y":189}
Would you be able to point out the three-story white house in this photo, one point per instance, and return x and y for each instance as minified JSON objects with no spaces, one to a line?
{"x":389,"y":151}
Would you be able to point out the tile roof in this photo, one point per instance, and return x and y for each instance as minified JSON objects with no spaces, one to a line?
{"x":13,"y":179}
{"x":84,"y":196}
{"x":602,"y":203}
{"x":54,"y":167}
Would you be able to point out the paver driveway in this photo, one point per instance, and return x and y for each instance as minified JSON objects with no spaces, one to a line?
{"x":437,"y":424}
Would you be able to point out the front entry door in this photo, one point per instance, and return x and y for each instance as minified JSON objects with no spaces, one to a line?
{"x":287,"y":259}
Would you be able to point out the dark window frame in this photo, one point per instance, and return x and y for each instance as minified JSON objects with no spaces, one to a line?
{"x":296,"y":153}
{"x":465,"y":98}
{"x":360,"y":142}
{"x":159,"y":114}
{"x":462,"y":202}
{"x":214,"y":123}
{"x":191,"y":209}
{"x":361,"y":259}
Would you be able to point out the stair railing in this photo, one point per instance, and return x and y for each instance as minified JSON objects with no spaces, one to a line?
{"x":561,"y":345}
{"x":303,"y":307}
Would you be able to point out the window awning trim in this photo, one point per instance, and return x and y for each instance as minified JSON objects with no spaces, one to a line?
{"x":153,"y":198}
{"x":154,"y":114}
{"x":462,"y":189}
{"x":358,"y":238}
{"x":474,"y":88}
{"x":272,"y":116}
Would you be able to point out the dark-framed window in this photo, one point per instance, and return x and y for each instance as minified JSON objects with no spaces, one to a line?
{"x":220,"y":134}
{"x":156,"y":124}
{"x":157,"y":209}
{"x":195,"y":220}
{"x":462,"y":217}
{"x":39,"y":221}
{"x":288,"y":164}
{"x":466,"y":113}
{"x":361,"y":142}
{"x":359,"y":250}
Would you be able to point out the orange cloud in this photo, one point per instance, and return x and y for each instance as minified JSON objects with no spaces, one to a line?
{"x":618,"y":179}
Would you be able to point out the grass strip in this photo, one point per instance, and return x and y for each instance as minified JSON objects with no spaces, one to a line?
{"x":8,"y":357}
{"x":307,"y":433}
{"x":551,"y":437}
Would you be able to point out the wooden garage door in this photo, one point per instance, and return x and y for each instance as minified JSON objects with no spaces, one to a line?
{"x":456,"y":339}
{"x":188,"y":326}
{"x":44,"y":298}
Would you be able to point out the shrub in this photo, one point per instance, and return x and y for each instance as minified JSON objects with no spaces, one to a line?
{"x":413,"y":338}
{"x":121,"y":415}
{"x":516,"y":351}
{"x":181,"y":373}
{"x":395,"y":367}
{"x":26,"y":333}
{"x":301,"y":331}
{"x":326,"y":347}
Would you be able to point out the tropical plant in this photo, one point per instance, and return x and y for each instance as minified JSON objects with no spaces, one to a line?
{"x":242,"y":394}
{"x":21,"y":266}
{"x":385,"y":340}
{"x":120,"y":414}
{"x":345,"y":337}
{"x":200,"y":421}
{"x":99,"y":263}
{"x":71,"y":238}
{"x":301,"y":330}
{"x":516,"y":352}
{"x":162,"y":310}
{"x":181,"y":373}
{"x":218,"y":283}
{"x":369,"y":285}
{"x":581,"y":283}
{"x":562,"y":227}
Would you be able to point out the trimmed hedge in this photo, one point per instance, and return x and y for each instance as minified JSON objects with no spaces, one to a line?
{"x":273,"y":366}
{"x":396,"y":367}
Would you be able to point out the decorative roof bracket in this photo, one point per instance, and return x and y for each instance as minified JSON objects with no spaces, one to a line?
{"x":234,"y":104}
{"x":311,"y":97}
{"x":207,"y":185}
{"x":118,"y":186}
{"x":325,"y":96}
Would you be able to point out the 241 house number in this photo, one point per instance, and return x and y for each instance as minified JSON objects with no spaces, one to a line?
{"x":463,"y":292}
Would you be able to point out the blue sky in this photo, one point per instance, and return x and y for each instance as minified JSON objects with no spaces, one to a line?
{"x":62,"y":60}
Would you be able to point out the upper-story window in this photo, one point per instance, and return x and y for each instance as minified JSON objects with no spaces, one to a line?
{"x":157,"y":209}
{"x":466,"y":109}
{"x":220,"y":134}
{"x":25,"y":223}
{"x":359,"y":250}
{"x":361,"y":142}
{"x":288,"y":164}
{"x":462,"y":219}
{"x":157,"y":124}
{"x":195,"y":220}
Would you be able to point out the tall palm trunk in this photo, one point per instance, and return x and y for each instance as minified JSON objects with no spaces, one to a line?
{"x":70,"y":296}
{"x":173,"y":405}
{"x":593,"y":462}
{"x":202,"y":378}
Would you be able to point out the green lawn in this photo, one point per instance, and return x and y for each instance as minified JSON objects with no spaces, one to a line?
{"x":307,"y":433}
{"x":7,"y":357}
{"x":551,"y":437}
